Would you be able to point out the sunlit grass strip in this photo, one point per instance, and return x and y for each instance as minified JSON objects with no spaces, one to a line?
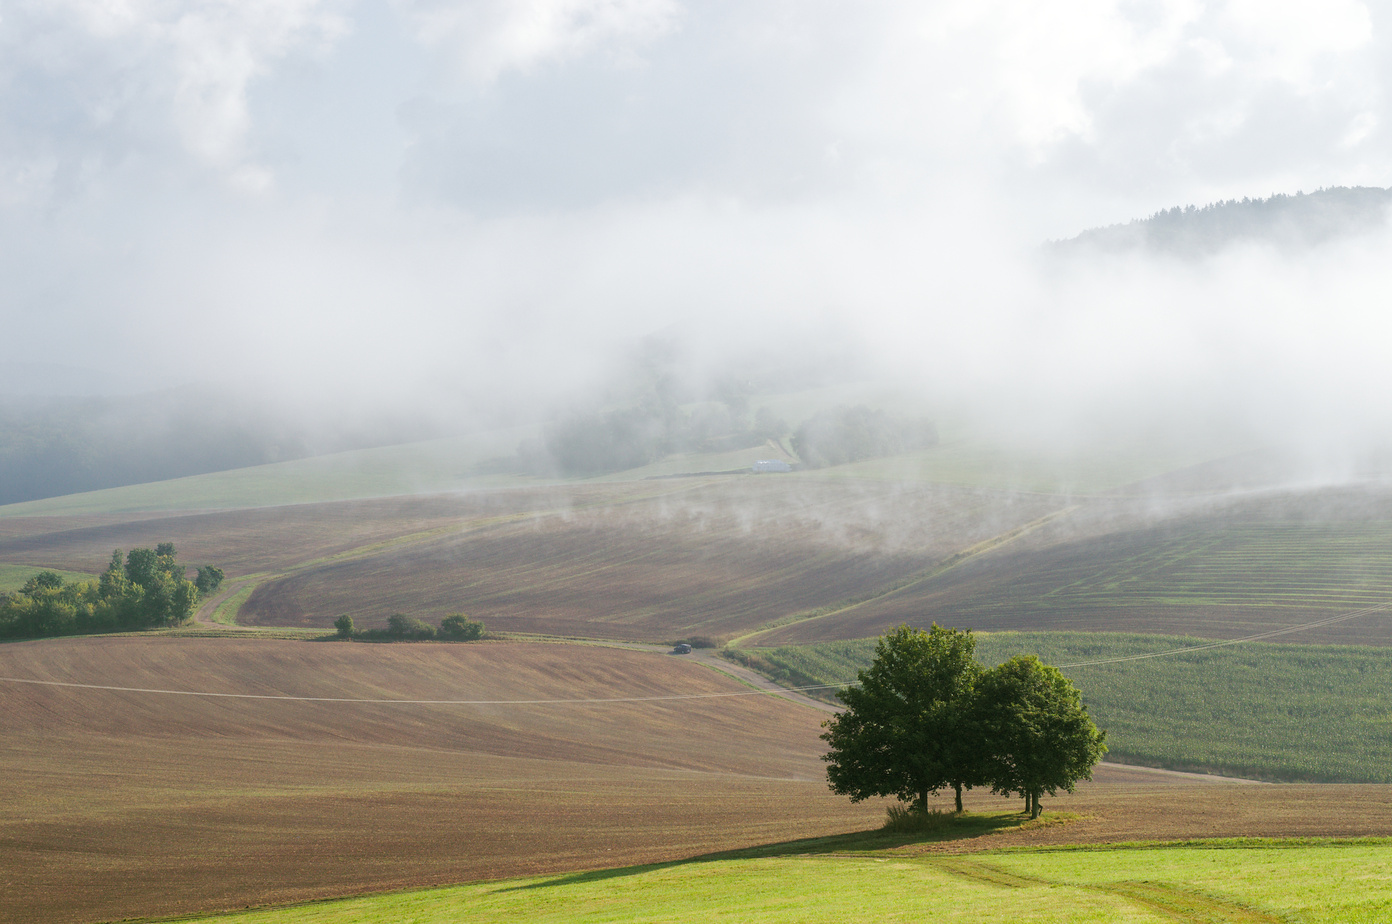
{"x":226,"y":612}
{"x":1316,"y":883}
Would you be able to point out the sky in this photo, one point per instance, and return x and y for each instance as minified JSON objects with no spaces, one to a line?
{"x":340,"y":203}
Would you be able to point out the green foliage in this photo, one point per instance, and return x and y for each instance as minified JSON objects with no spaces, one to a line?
{"x":209,"y":580}
{"x":1040,"y":737}
{"x":344,"y":625}
{"x":401,"y":627}
{"x":850,"y":434}
{"x":907,"y":729}
{"x":460,"y":628}
{"x":148,"y":590}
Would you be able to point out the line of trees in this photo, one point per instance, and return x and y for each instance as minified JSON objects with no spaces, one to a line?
{"x":851,"y":434}
{"x":147,"y":588}
{"x":927,"y":717}
{"x":456,"y":627}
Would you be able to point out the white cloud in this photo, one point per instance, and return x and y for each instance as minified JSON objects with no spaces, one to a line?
{"x":125,"y":73}
{"x":491,"y":37}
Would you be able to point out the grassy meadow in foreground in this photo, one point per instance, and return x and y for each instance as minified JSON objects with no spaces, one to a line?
{"x":1317,"y":713}
{"x":1253,"y":882}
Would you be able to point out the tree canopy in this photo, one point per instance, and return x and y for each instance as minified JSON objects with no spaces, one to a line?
{"x":907,"y":729}
{"x":1041,"y":739}
{"x":144,"y":589}
{"x":925,"y":716}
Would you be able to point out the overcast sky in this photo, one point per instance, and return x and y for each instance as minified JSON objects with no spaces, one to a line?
{"x":328,"y":197}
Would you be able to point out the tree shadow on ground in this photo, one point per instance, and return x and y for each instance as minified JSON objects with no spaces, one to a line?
{"x":949,"y":828}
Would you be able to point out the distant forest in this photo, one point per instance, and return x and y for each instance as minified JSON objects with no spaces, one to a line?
{"x":1301,"y":220}
{"x":55,"y":446}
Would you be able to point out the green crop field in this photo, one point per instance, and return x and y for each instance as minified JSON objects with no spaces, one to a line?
{"x":1321,"y":713}
{"x":13,"y":577}
{"x":1254,"y":882}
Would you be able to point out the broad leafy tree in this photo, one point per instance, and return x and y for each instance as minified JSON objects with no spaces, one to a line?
{"x":909,"y":727}
{"x":1041,"y":739}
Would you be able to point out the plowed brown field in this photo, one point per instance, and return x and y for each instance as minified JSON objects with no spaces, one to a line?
{"x":119,"y":804}
{"x":1203,"y":568}
{"x":273,"y":538}
{"x":717,"y":559}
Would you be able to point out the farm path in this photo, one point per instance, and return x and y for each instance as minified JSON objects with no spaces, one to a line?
{"x":709,"y":659}
{"x":203,"y":616}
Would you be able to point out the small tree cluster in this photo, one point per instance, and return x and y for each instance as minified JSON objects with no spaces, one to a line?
{"x":455,"y":627}
{"x":144,"y":589}
{"x":926,"y":716}
{"x":460,"y":628}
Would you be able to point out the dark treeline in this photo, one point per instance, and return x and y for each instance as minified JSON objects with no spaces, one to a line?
{"x":593,"y":442}
{"x":850,"y":434}
{"x":654,"y":409}
{"x":1299,"y":220}
{"x":55,"y":446}
{"x":147,"y":589}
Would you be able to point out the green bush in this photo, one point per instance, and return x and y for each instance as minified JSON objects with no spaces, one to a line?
{"x":344,"y":625}
{"x":460,"y":628}
{"x":908,"y":819}
{"x":401,"y":626}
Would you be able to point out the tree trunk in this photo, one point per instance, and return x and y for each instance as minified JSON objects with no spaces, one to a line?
{"x":958,"y":787}
{"x":1035,"y":809}
{"x":922,"y":803}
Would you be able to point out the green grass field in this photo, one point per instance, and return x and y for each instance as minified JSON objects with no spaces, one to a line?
{"x":1314,"y":882}
{"x":13,"y":577}
{"x":1316,"y":713}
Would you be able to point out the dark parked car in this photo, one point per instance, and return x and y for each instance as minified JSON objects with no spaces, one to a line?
{"x":682,"y":648}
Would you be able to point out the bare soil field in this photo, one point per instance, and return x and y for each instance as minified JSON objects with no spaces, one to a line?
{"x":716,"y":560}
{"x":119,"y":804}
{"x":122,"y":804}
{"x":1206,"y":568}
{"x":265,"y":539}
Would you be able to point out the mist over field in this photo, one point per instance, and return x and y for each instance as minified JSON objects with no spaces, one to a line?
{"x":356,"y":223}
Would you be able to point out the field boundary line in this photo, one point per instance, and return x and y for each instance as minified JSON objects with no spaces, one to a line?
{"x":1224,"y":643}
{"x":922,"y":577}
{"x":250,"y":582}
{"x":405,"y":702}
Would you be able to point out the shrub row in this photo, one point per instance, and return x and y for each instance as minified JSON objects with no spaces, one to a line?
{"x":455,"y":627}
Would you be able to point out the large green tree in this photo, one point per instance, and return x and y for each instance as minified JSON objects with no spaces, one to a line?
{"x":909,"y":729}
{"x":1041,"y":739}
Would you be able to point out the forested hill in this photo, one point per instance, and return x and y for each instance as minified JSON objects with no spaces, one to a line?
{"x":51,"y":446}
{"x":1301,"y":220}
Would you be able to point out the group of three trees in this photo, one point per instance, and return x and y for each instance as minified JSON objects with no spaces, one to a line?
{"x":926,"y":716}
